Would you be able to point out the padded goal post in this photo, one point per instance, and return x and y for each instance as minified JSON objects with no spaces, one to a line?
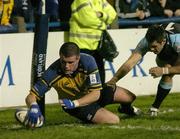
{"x":39,"y":51}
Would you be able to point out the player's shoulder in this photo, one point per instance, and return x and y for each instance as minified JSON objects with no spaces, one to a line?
{"x":86,"y":58}
{"x":143,"y":43}
{"x":55,"y":65}
{"x":52,"y":71}
{"x":87,"y":61}
{"x":175,"y":38}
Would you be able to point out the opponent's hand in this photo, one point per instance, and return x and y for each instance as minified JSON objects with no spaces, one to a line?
{"x":158,"y":71}
{"x":32,"y":117}
{"x":67,"y":103}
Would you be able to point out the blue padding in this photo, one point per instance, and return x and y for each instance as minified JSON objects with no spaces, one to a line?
{"x":147,"y":21}
{"x":51,"y":24}
{"x":8,"y":29}
{"x":122,"y":23}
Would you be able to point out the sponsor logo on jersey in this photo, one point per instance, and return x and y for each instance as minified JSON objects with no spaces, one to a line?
{"x":93,"y":78}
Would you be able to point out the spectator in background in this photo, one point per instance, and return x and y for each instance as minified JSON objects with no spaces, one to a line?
{"x":142,"y":10}
{"x":155,"y":8}
{"x":27,"y":9}
{"x":132,"y":9}
{"x":171,"y":7}
{"x":6,"y":10}
{"x":37,"y":6}
{"x":114,"y":24}
{"x":52,"y":8}
{"x":64,"y":15}
{"x":166,"y":8}
{"x":88,"y":20}
{"x":22,"y":13}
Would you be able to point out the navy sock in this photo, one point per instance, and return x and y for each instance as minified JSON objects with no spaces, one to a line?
{"x":161,"y":94}
{"x":126,"y":108}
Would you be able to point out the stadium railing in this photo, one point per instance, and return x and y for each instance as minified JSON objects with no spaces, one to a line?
{"x":147,"y":21}
{"x":121,"y":22}
{"x":8,"y":29}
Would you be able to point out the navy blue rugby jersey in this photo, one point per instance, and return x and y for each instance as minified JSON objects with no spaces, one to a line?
{"x":86,"y":78}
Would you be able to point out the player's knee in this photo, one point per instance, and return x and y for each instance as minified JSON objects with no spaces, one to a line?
{"x":131,"y":95}
{"x":104,"y":116}
{"x":113,"y":120}
{"x":116,"y":120}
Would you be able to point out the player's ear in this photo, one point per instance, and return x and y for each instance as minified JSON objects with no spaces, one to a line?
{"x":78,"y":57}
{"x":163,"y":41}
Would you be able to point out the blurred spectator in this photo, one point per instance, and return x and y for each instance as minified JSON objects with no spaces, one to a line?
{"x":64,"y":15}
{"x":22,"y":13}
{"x":6,"y":7}
{"x":52,"y":9}
{"x":166,"y":8}
{"x":155,"y":8}
{"x":114,"y":24}
{"x":132,"y":8}
{"x":65,"y":12}
{"x":171,"y":7}
{"x":27,"y":9}
{"x":37,"y":6}
{"x":142,"y":10}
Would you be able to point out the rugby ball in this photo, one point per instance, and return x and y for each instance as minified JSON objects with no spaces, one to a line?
{"x":21,"y":114}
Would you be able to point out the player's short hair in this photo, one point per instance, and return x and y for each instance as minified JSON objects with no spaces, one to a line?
{"x":69,"y":49}
{"x":155,"y":33}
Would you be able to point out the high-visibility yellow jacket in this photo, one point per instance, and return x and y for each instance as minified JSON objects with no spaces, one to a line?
{"x":7,"y":10}
{"x":85,"y":26}
{"x":1,"y":7}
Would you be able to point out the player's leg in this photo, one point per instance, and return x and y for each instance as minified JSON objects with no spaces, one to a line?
{"x":163,"y":90}
{"x":126,"y":98}
{"x":123,"y":95}
{"x":103,"y":116}
{"x":164,"y":87}
{"x":119,"y":95}
{"x":93,"y":113}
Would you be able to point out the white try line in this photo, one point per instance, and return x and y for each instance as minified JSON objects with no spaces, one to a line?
{"x":87,"y":126}
{"x":150,"y":128}
{"x":80,"y":125}
{"x":162,"y":127}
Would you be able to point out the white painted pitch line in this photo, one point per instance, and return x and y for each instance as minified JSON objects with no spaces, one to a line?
{"x":149,"y":128}
{"x":163,"y":127}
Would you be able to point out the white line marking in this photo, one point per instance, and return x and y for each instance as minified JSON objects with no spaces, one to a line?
{"x":150,"y":128}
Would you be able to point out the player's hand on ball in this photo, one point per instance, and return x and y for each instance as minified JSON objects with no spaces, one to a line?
{"x":68,"y":104}
{"x":33,"y":116}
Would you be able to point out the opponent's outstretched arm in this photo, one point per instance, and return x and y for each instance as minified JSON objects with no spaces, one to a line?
{"x":125,"y":68}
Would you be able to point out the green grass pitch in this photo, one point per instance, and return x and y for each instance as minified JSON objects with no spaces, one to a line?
{"x":59,"y":125}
